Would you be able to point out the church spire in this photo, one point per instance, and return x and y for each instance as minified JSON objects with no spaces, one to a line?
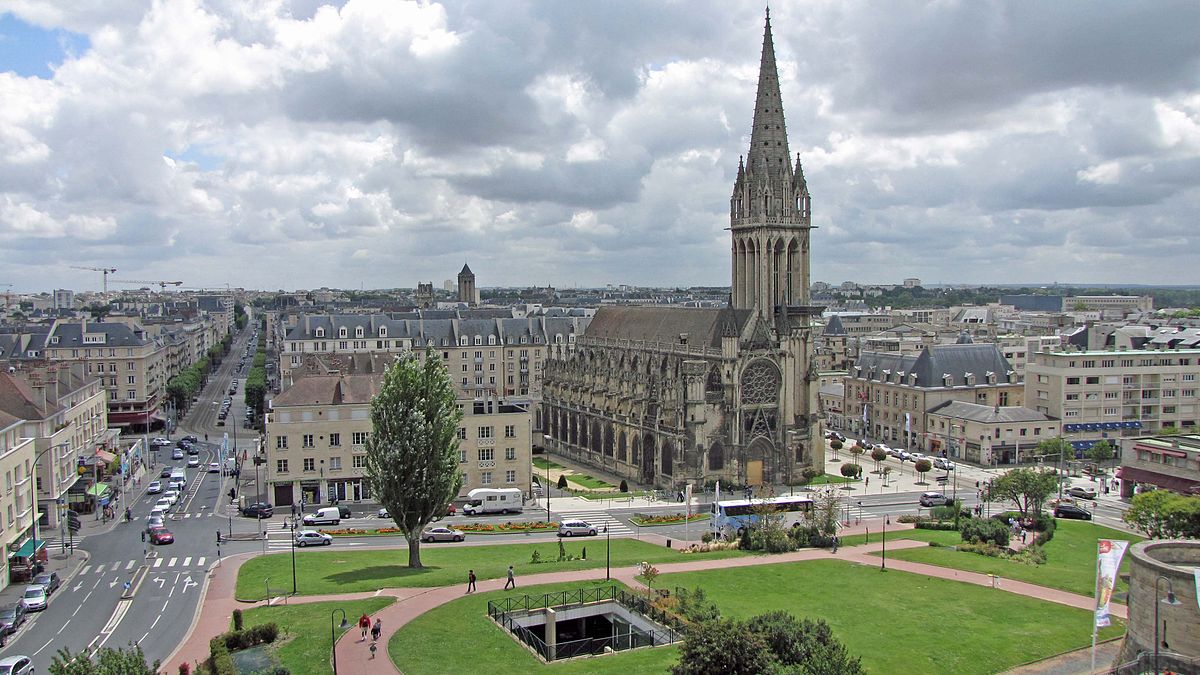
{"x":768,"y":139}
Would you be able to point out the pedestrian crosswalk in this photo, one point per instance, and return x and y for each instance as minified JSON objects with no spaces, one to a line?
{"x":159,"y":564}
{"x":600,"y":519}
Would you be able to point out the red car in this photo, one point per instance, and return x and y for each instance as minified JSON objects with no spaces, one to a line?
{"x":161,"y":535}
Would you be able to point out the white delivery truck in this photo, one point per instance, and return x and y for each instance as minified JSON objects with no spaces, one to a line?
{"x":489,"y":500}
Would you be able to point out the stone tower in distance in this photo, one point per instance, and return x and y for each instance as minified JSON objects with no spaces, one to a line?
{"x":466,"y":286}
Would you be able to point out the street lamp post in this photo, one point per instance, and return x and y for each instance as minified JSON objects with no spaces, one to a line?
{"x":1169,"y":601}
{"x":883,"y":551}
{"x":293,"y":537}
{"x":333,"y":633}
{"x":607,"y":554}
{"x":36,"y":518}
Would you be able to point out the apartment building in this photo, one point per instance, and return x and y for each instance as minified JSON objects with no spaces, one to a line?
{"x":1115,"y":394}
{"x":1160,"y":462}
{"x":65,"y":412}
{"x":317,"y":430}
{"x":887,"y":395}
{"x":1018,"y":348}
{"x":16,"y":501}
{"x":132,"y":366}
{"x":986,"y":435}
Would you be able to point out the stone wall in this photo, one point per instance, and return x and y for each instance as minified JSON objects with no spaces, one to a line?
{"x":1173,"y":561}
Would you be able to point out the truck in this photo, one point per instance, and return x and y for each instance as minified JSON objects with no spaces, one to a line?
{"x":490,"y":500}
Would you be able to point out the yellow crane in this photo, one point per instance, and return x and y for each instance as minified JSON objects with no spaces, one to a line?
{"x":161,"y":284}
{"x":103,"y":270}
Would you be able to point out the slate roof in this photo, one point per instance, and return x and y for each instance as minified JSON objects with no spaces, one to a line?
{"x":70,"y":334}
{"x":444,"y":328}
{"x":834,"y":326}
{"x":330,"y":390}
{"x":935,"y":361}
{"x":989,"y":414}
{"x":17,"y":398}
{"x":7,"y":420}
{"x":703,"y":326}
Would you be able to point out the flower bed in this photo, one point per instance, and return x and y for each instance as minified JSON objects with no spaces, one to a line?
{"x":507,"y":528}
{"x":643,"y":520}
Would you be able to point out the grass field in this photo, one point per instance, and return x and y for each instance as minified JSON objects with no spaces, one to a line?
{"x":546,"y":464}
{"x":1005,"y":629}
{"x":304,"y":643}
{"x":584,"y":480}
{"x":1070,"y":558}
{"x":344,"y":570}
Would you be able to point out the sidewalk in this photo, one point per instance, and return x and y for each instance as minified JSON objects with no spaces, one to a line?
{"x":214,"y":615}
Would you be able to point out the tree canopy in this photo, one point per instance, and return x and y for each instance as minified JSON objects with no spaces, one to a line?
{"x":775,"y":642}
{"x":1028,"y":489}
{"x":412,"y":452}
{"x":107,"y":661}
{"x":1162,"y":514}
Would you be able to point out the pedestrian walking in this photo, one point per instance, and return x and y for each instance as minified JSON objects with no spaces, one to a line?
{"x":471,"y":581}
{"x":364,"y":624}
{"x":511,"y":583}
{"x":835,"y":543}
{"x":1023,"y":533}
{"x":376,"y":629}
{"x":372,"y":650}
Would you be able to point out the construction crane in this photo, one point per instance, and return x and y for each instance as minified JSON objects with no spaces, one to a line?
{"x":103,"y":270}
{"x":7,"y":294}
{"x":161,"y":284}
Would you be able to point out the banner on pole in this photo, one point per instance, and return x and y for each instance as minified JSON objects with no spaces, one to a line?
{"x":1108,"y":561}
{"x":1196,"y":576}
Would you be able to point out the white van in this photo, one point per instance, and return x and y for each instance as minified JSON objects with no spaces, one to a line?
{"x":489,"y":500}
{"x":179,"y":476}
{"x":326,"y":516}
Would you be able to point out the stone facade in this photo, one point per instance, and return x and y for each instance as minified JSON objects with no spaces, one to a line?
{"x":668,"y":396}
{"x":1157,"y":568}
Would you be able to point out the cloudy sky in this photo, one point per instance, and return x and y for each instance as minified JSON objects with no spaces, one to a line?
{"x":378,"y":143}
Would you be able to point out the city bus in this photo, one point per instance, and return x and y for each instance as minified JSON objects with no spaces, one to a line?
{"x":730,"y":517}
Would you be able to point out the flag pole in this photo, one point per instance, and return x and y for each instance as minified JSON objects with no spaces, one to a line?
{"x":1095,"y":628}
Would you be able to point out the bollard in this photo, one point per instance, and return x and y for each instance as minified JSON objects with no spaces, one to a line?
{"x":668,"y":543}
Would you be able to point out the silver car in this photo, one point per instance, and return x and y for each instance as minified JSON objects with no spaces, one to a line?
{"x":312,"y":538}
{"x":433,"y":534}
{"x":34,"y":598}
{"x":572,"y":528}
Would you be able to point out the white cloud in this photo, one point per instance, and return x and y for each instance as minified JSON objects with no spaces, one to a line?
{"x":1108,"y":173}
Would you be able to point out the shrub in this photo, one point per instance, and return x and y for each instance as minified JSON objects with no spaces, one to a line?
{"x":1030,"y":555}
{"x":562,"y":481}
{"x":185,"y":668}
{"x":707,"y":537}
{"x":942,"y":512}
{"x":979,"y":531}
{"x":936,"y":525}
{"x":983,"y":549}
{"x":694,"y":606}
{"x":1046,"y":527}
{"x":536,"y":558}
{"x":624,"y":486}
{"x":722,"y":646}
{"x":219,"y":660}
{"x":909,"y":518}
{"x":237,"y":619}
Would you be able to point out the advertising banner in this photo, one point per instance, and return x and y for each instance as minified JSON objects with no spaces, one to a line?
{"x":1109,"y":554}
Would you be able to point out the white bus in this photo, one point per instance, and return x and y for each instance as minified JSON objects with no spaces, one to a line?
{"x":730,"y":517}
{"x":489,"y":500}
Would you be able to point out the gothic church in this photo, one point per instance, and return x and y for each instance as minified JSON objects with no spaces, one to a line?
{"x":668,"y":396}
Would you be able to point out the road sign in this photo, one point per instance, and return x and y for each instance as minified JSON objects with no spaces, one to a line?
{"x":942,"y":480}
{"x":73,"y":523}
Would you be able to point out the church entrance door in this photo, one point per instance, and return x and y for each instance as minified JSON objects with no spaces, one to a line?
{"x":754,"y":472}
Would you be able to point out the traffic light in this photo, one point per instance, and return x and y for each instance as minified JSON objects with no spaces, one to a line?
{"x":73,"y":523}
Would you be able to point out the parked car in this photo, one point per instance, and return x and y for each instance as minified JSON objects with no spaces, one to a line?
{"x":214,"y":467}
{"x":904,"y":455}
{"x":258,"y":510}
{"x":177,"y":453}
{"x":330,"y":515}
{"x":312,"y":538}
{"x":161,"y":535}
{"x":1072,"y":511}
{"x":155,"y":487}
{"x":934,"y":499}
{"x":1082,"y":492}
{"x":160,"y":442}
{"x":432,"y":534}
{"x":49,"y":580}
{"x":16,"y":665}
{"x":34,"y":598}
{"x":835,"y":436}
{"x":382,"y":513}
{"x":918,"y":456}
{"x":11,"y":617}
{"x":571,"y":528}
{"x":944,"y":464}
{"x":193,"y":462}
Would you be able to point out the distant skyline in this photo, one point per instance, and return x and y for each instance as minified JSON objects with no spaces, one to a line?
{"x":380,"y":143}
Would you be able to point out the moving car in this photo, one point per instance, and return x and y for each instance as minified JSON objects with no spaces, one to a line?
{"x":835,"y":436}
{"x":191,"y":439}
{"x":934,"y":499}
{"x":258,"y":510}
{"x":1072,"y":511}
{"x":945,"y":464}
{"x":50,"y":580}
{"x":193,"y":450}
{"x":328,"y":515}
{"x":1082,"y":492}
{"x":16,"y":665}
{"x":494,"y":500}
{"x":165,"y":473}
{"x":34,"y":598}
{"x":904,"y":455}
{"x":11,"y":617}
{"x":432,"y":534}
{"x":571,"y":528}
{"x":312,"y":538}
{"x":161,"y":535}
{"x":177,"y":453}
{"x":164,"y":504}
{"x":382,"y":513}
{"x":172,"y":495}
{"x":214,"y":467}
{"x":153,"y":522}
{"x":155,"y":486}
{"x":193,"y":462}
{"x":160,"y":441}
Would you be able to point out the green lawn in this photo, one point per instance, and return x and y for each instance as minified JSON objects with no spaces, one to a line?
{"x":546,"y":464}
{"x":458,"y":637}
{"x":1005,"y":629}
{"x":344,"y":570}
{"x":1070,"y":558}
{"x":589,"y":482}
{"x":945,"y":537}
{"x":899,"y":622}
{"x":830,"y":479}
{"x":304,"y":642}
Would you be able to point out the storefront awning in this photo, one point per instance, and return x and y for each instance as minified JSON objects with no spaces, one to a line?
{"x":98,"y":490}
{"x":1172,"y":483}
{"x":107,"y":457}
{"x":26,"y":550}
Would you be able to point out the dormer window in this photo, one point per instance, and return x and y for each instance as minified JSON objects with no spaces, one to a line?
{"x":525,"y":339}
{"x":970,"y":379}
{"x":464,"y":341}
{"x":478,"y":340}
{"x":492,"y":340}
{"x":383,"y":331}
{"x":320,"y":333}
{"x":358,"y":332}
{"x":342,"y":332}
{"x":947,"y":379}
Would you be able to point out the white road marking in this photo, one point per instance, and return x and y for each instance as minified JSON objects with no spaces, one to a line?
{"x":86,"y":569}
{"x":187,"y":561}
{"x":64,"y":626}
{"x":130,"y":565}
{"x":157,"y":562}
{"x":39,"y":651}
{"x":200,"y":561}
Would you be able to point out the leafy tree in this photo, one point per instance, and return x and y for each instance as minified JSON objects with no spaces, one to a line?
{"x":562,"y":481}
{"x":887,"y":471}
{"x":857,"y":452}
{"x":835,"y":445}
{"x":1026,"y":488}
{"x":1170,"y":431}
{"x":1163,"y":514}
{"x":823,"y":516}
{"x":878,"y":454}
{"x":850,"y":470}
{"x":649,"y":573}
{"x":769,"y":532}
{"x":922,"y":467}
{"x":108,"y":661}
{"x":1100,"y":452}
{"x":723,"y":646}
{"x":804,"y":646}
{"x":412,"y":452}
{"x":1056,"y":450}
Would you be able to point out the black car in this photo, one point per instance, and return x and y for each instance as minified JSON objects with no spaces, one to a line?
{"x":165,"y":473}
{"x":258,"y":510}
{"x":193,"y":450}
{"x":191,"y":439}
{"x":1071,"y":511}
{"x":343,"y":510}
{"x":11,"y":618}
{"x":50,"y":580}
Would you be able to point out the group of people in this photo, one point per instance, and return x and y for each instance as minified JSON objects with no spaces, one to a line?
{"x":511,"y":583}
{"x":364,"y":624}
